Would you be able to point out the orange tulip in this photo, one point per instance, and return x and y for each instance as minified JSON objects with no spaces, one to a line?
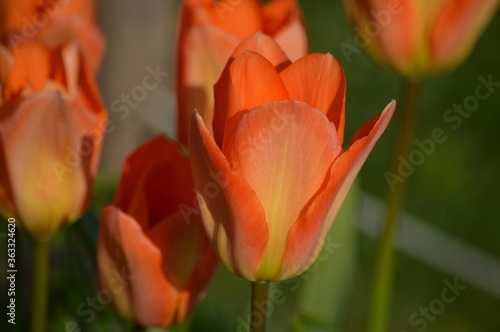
{"x":418,"y":38}
{"x":51,"y":129}
{"x":209,"y":32}
{"x":153,"y":262}
{"x":274,"y":176}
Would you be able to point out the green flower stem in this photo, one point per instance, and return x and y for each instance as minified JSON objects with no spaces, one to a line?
{"x":40,"y":286}
{"x":184,"y":326}
{"x":384,"y":268}
{"x":258,"y":306}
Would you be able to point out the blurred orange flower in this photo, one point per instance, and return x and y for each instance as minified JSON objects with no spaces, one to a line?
{"x":274,"y":176}
{"x":52,"y":22}
{"x":418,"y":38}
{"x":51,"y":129}
{"x":161,"y":261}
{"x":209,"y":32}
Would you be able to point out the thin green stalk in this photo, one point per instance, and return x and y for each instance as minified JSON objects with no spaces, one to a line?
{"x":258,"y":306}
{"x":40,"y":286}
{"x":384,"y":268}
{"x":184,"y":326}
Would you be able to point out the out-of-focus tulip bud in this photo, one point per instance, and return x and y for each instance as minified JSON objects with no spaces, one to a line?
{"x":274,"y":176}
{"x":209,"y":32}
{"x":154,"y":258}
{"x":51,"y":130}
{"x":418,"y":38}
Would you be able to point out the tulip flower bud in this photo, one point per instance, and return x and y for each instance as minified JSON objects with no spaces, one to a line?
{"x":151,"y":240}
{"x":418,"y":38}
{"x":51,"y":131}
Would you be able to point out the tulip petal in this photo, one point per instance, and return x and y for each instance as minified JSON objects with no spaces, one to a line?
{"x":81,"y":8}
{"x":187,"y":256}
{"x":158,"y":150}
{"x":53,"y":192}
{"x":5,"y":66}
{"x":30,"y":69}
{"x":389,"y":29}
{"x":148,"y":191}
{"x":232,"y":214}
{"x":27,"y":18}
{"x":276,"y":14}
{"x":163,"y":189}
{"x":242,"y":17}
{"x":310,"y":229}
{"x":199,"y":280}
{"x":259,"y":43}
{"x":88,"y":107}
{"x":125,"y":254}
{"x":14,"y":14}
{"x":91,"y":41}
{"x":203,"y":53}
{"x":283,"y":20}
{"x":250,"y":81}
{"x":166,"y":189}
{"x":284,"y":151}
{"x":180,"y":243}
{"x":325,"y":88}
{"x":266,"y":46}
{"x":293,"y":40}
{"x":456,"y":28}
{"x":86,"y":35}
{"x":401,"y":28}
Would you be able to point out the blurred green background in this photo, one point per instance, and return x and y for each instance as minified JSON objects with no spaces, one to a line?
{"x":455,"y":190}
